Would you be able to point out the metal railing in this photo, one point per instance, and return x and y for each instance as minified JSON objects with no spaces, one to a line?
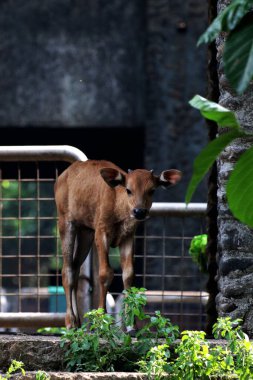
{"x":30,"y":257}
{"x":29,"y":245}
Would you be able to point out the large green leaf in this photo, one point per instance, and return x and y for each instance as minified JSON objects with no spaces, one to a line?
{"x":240,"y":188}
{"x":213,"y":111}
{"x":238,"y":55}
{"x":207,"y":157}
{"x":227,"y":20}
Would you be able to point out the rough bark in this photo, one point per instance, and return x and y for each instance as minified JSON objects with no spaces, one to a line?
{"x":213,"y":94}
{"x":235,"y":240}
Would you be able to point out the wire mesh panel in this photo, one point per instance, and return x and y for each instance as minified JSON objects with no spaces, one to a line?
{"x":30,"y":251}
{"x":174,"y":284}
{"x":30,"y":258}
{"x":30,"y":255}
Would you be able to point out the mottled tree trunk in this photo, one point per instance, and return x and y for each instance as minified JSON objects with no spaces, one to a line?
{"x":235,"y":240}
{"x":213,"y":94}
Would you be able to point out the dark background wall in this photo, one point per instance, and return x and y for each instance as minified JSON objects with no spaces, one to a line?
{"x":111,"y":77}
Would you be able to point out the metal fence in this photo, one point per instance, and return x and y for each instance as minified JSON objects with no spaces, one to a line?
{"x":31,"y":293}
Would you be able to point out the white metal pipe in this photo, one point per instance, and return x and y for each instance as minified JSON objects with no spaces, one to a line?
{"x":41,"y":153}
{"x":178,"y":209}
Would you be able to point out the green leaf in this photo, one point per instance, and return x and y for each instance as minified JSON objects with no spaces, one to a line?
{"x":238,"y":55}
{"x":227,"y":20}
{"x":240,"y":188}
{"x":213,"y":111}
{"x":207,"y":157}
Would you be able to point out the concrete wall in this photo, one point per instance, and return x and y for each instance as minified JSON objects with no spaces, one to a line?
{"x":71,"y":63}
{"x":87,"y":64}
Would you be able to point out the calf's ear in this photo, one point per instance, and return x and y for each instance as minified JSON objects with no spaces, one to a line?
{"x":169,"y":177}
{"x":112,"y":177}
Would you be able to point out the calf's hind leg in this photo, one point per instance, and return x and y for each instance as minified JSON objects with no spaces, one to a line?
{"x":68,"y":234}
{"x":83,"y":243}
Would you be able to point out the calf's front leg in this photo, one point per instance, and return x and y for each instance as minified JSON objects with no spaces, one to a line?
{"x":106,"y":274}
{"x":127,"y":265}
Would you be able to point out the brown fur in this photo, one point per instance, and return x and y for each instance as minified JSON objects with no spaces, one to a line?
{"x":96,"y":200}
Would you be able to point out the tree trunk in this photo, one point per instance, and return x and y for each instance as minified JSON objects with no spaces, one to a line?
{"x":211,"y":219}
{"x":235,"y":240}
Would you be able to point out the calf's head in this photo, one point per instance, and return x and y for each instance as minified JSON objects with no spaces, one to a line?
{"x":140,"y":185}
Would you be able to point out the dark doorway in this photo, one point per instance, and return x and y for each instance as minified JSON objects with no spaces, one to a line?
{"x":123,"y":146}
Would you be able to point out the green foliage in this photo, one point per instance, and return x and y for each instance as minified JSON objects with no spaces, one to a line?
{"x":155,"y":364}
{"x":42,"y":375}
{"x":14,"y":367}
{"x":196,"y":358}
{"x":133,"y":303}
{"x":240,"y":184}
{"x":52,"y":330}
{"x":19,"y":366}
{"x":86,"y":351}
{"x":204,"y":161}
{"x":101,"y":345}
{"x":193,"y":357}
{"x":227,"y":20}
{"x":213,"y":111}
{"x":238,"y":55}
{"x":197,"y":251}
{"x":240,"y":188}
{"x":238,"y":51}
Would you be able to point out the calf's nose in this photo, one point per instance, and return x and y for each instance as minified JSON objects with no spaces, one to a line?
{"x":140,"y":213}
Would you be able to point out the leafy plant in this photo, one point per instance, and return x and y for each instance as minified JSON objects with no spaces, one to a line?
{"x":238,"y":50}
{"x":52,"y":330}
{"x":133,"y":303}
{"x":197,"y":251}
{"x":240,"y":185}
{"x":193,"y":357}
{"x":42,"y":375}
{"x":101,"y":345}
{"x":14,"y":367}
{"x":85,"y":349}
{"x":155,"y":364}
{"x":196,"y":358}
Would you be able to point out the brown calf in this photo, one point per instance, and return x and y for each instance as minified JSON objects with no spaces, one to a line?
{"x":98,"y":201}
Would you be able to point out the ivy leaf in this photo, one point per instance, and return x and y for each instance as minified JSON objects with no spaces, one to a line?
{"x":213,"y":111}
{"x":207,"y":157}
{"x":240,"y":188}
{"x":227,"y":20}
{"x":238,"y":55}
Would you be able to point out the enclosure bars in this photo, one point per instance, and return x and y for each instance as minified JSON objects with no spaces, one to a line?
{"x":36,"y":153}
{"x":70,"y":154}
{"x":41,"y":153}
{"x":38,"y":319}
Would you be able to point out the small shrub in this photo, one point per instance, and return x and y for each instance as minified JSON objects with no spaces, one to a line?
{"x":14,"y":367}
{"x":101,"y":345}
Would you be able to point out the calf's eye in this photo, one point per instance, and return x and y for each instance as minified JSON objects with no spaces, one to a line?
{"x":129,"y":192}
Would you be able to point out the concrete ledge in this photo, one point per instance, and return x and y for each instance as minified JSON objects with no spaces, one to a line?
{"x":84,"y":376}
{"x":45,"y":354}
{"x":37,"y":353}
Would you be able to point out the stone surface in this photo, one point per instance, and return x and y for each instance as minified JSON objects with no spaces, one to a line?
{"x":176,"y":71}
{"x":71,"y":63}
{"x":85,"y":376}
{"x":118,"y":63}
{"x":43,"y":353}
{"x":35,"y":352}
{"x":235,"y":240}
